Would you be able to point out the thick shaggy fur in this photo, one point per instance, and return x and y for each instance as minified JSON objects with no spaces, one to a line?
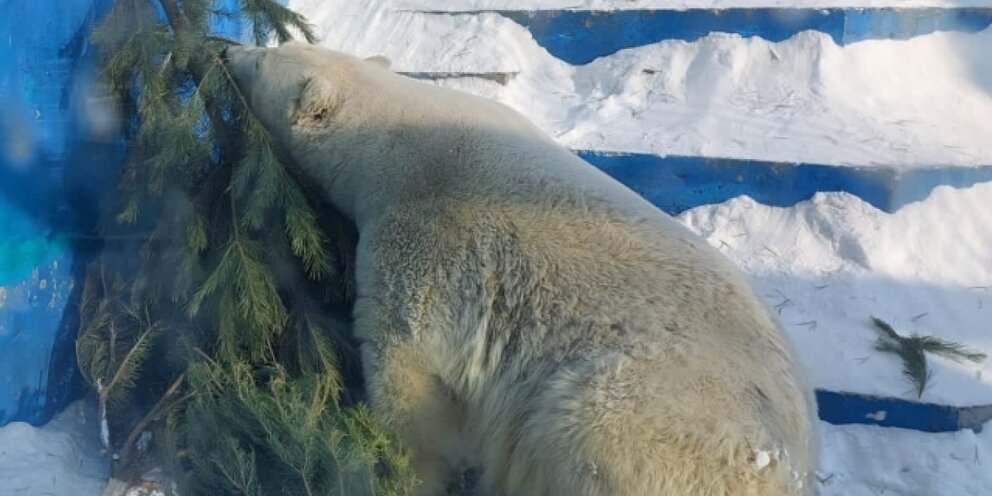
{"x":521,"y":310}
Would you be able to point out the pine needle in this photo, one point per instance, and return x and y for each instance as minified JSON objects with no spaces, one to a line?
{"x":948,"y":349}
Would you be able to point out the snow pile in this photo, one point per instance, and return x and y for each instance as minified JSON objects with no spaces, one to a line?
{"x":60,"y":459}
{"x":898,"y":103}
{"x":829,"y":264}
{"x":918,"y":102}
{"x":871,"y":461}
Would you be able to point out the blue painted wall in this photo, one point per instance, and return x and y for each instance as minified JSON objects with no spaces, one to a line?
{"x":60,"y":152}
{"x":676,"y":183}
{"x":47,"y":142}
{"x":579,"y":37}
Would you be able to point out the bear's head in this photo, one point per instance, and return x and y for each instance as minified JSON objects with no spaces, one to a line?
{"x":315,"y":102}
{"x":296,"y":85}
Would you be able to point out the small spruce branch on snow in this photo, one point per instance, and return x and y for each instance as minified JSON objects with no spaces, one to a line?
{"x":912,"y":350}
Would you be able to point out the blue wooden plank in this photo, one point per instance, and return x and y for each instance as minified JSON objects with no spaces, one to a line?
{"x":581,"y":36}
{"x":866,"y":24}
{"x":848,"y":408}
{"x":677,"y":183}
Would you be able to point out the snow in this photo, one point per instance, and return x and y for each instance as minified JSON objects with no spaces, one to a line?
{"x":60,"y":459}
{"x":901,"y":103}
{"x":468,"y":5}
{"x":832,"y":262}
{"x":826,"y":265}
{"x":872,"y":461}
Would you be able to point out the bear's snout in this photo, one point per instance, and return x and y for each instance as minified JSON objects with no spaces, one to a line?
{"x":239,"y":62}
{"x":230,"y":54}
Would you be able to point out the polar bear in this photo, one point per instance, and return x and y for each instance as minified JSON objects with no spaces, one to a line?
{"x":520,"y":310}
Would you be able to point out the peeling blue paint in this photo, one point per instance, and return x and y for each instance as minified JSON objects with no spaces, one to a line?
{"x":30,"y":316}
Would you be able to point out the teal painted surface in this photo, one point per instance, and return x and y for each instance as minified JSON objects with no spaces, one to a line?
{"x":24,"y":245}
{"x":35,"y":287}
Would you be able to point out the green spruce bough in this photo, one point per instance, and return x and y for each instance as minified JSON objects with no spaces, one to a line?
{"x":210,"y":326}
{"x":912,"y":351}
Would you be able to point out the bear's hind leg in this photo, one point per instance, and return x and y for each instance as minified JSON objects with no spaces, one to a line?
{"x":416,"y":405}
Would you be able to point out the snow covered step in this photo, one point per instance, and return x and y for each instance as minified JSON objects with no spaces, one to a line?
{"x":678,"y":183}
{"x":581,"y":36}
{"x":828,"y":265}
{"x":802,"y":100}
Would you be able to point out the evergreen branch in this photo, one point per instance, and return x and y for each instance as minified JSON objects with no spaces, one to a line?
{"x":258,"y":298}
{"x":912,"y":351}
{"x":221,"y":274}
{"x":263,"y":414}
{"x":129,"y":364}
{"x":196,"y":232}
{"x":307,"y":239}
{"x":885,"y":328}
{"x":948,"y":349}
{"x":153,"y":414}
{"x":267,"y":16}
{"x":176,"y":17}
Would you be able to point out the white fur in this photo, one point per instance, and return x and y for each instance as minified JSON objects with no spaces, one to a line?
{"x":521,"y":310}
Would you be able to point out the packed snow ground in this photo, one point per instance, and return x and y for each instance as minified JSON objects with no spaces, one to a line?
{"x":861,"y":460}
{"x":829,"y":264}
{"x":60,"y":459}
{"x":918,"y":102}
{"x":826,"y":265}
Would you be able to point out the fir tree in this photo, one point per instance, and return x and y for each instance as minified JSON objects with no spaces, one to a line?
{"x":213,"y":321}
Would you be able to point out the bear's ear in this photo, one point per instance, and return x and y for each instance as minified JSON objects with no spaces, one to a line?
{"x":316,"y":103}
{"x":380,"y":61}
